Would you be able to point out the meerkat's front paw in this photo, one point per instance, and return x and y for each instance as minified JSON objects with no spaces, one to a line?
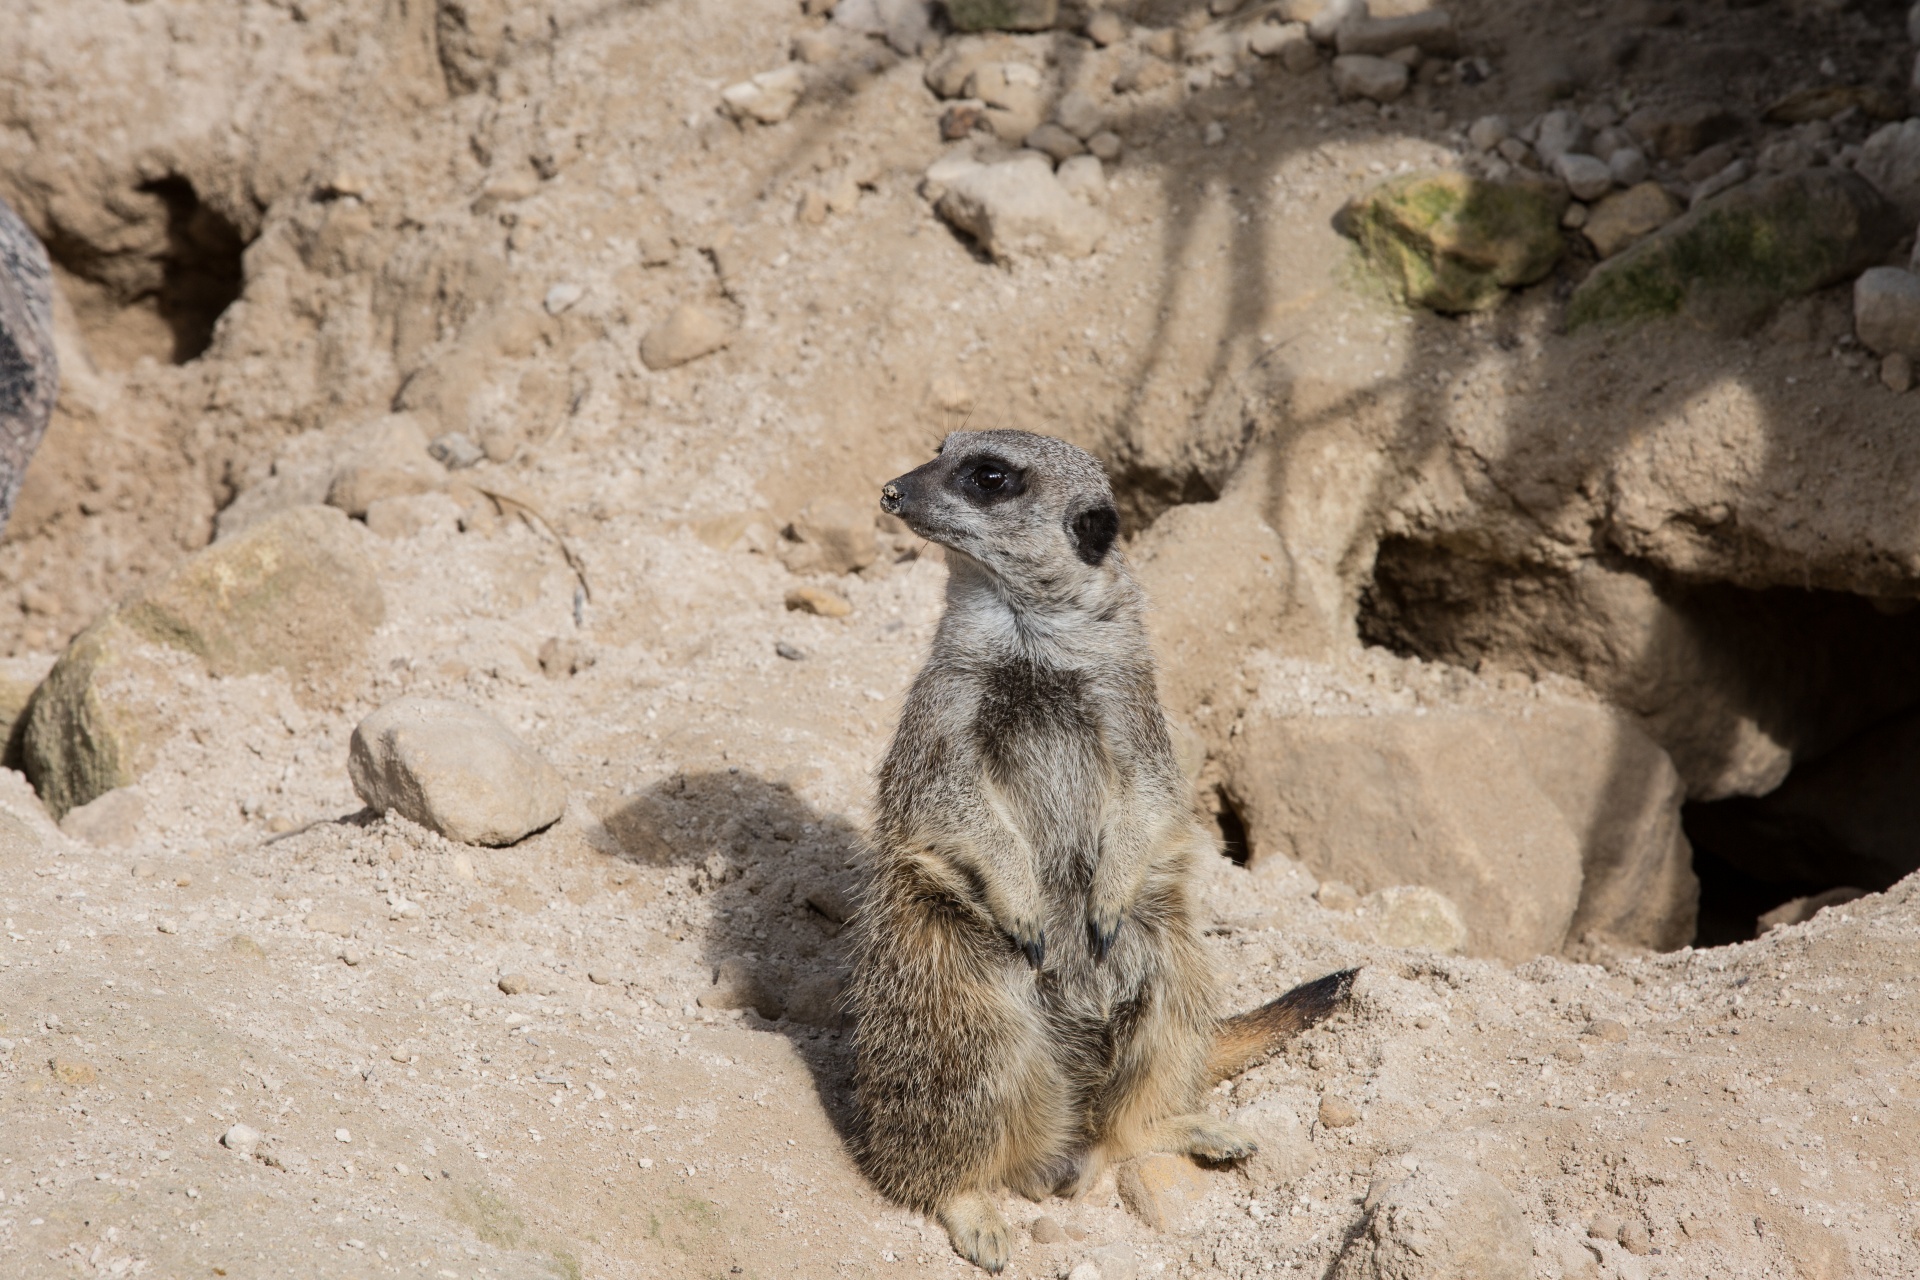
{"x":978,"y":1232}
{"x":1030,"y":937}
{"x":1103,"y":926}
{"x":1216,"y":1140}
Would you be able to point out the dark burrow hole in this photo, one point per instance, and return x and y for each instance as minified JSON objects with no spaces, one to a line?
{"x":201,"y":272}
{"x":1233,"y":829}
{"x":164,"y":304}
{"x":1736,"y":684}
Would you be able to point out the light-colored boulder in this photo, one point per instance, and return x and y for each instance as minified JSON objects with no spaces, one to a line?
{"x":1886,"y":311}
{"x":1164,"y":1191}
{"x":1358,"y":75}
{"x":769,"y":97}
{"x":1890,"y":160}
{"x":1455,"y":243}
{"x":387,"y":458}
{"x":1443,"y":799}
{"x":1286,"y":1150}
{"x":1019,"y":208}
{"x":453,"y":769}
{"x":1626,"y":217}
{"x":1445,"y":1220}
{"x":293,"y":593}
{"x":689,"y":331}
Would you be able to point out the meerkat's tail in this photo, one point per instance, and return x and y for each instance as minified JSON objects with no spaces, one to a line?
{"x":1246,"y":1038}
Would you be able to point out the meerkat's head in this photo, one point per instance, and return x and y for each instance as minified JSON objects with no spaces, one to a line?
{"x":1036,"y":513}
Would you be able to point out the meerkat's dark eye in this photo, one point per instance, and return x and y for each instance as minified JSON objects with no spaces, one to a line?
{"x":990,"y":478}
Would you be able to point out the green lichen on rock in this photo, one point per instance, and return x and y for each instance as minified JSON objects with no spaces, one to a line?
{"x":293,"y":593}
{"x":1002,"y":15}
{"x":1739,"y":255}
{"x":1456,"y":243}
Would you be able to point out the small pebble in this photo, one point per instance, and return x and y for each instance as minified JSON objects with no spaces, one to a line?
{"x":1896,"y":372}
{"x":600,"y":977}
{"x":791,"y":652}
{"x":143,"y":871}
{"x":818,"y":601}
{"x":1047,"y":1230}
{"x":513,"y":983}
{"x":1106,"y":145}
{"x":342,"y":1135}
{"x":1337,"y":1113}
{"x":353,"y":956}
{"x":1635,"y":1238}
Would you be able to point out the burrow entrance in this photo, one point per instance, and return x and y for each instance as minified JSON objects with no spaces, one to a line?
{"x":1792,"y":715}
{"x":160,"y":288}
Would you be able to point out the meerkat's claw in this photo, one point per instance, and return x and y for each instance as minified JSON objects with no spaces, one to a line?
{"x":1105,"y":927}
{"x":1031,"y":938}
{"x":979,"y":1233}
{"x":1215,"y":1140}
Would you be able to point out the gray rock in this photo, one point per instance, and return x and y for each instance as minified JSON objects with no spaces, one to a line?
{"x":456,"y":451}
{"x":769,"y":97}
{"x":1055,"y":142}
{"x":453,"y":769}
{"x":1002,"y":15}
{"x":241,"y":1139}
{"x":1488,"y":132}
{"x":906,"y":25}
{"x":1105,"y":145}
{"x":1431,"y":31}
{"x":1078,"y":114}
{"x":1725,"y":180}
{"x":1886,"y":311}
{"x":1445,"y":1220}
{"x":1019,"y":208}
{"x":1560,"y":132}
{"x":1890,"y":160}
{"x":1588,"y":177}
{"x":1628,"y":166}
{"x":1364,"y":76}
{"x":29,"y":371}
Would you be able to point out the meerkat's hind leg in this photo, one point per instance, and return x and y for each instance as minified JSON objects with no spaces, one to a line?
{"x":1218,"y":1141}
{"x":978,"y":1230}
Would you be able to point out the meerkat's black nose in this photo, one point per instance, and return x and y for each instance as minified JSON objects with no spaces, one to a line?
{"x":890,"y":499}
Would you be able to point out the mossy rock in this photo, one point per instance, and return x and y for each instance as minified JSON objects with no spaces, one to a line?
{"x":1737,"y":256}
{"x":1457,"y":243}
{"x":293,"y":594}
{"x":1002,"y":15}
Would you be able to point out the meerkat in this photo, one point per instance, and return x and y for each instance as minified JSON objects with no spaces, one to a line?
{"x":1030,"y":994}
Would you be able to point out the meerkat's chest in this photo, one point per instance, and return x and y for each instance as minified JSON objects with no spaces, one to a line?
{"x":1040,"y":734}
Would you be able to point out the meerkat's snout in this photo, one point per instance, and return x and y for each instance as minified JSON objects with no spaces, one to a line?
{"x":890,"y":499}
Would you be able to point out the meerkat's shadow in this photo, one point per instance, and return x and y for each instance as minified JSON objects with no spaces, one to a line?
{"x":778,"y":885}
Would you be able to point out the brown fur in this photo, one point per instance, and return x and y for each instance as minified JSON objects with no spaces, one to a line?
{"x":1030,"y":992}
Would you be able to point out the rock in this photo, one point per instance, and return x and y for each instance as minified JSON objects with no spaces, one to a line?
{"x":1896,"y":373}
{"x":453,"y":769}
{"x":74,"y":1073}
{"x":1455,"y":243}
{"x":1800,"y":910}
{"x":1019,"y":208}
{"x":1337,"y":1113}
{"x":692,"y":330}
{"x":1416,"y":917}
{"x":293,"y":593}
{"x":1325,"y":24}
{"x":1445,"y":1221}
{"x":1078,"y":114}
{"x":455,"y":451}
{"x":1286,"y":1150}
{"x":1760,"y":244}
{"x":1676,"y":132}
{"x":110,"y":821}
{"x":1013,"y":96}
{"x":514,"y":984}
{"x":1726,"y":179}
{"x":1517,"y":151}
{"x":1627,"y":217}
{"x":1084,"y":178}
{"x":1635,"y":1238}
{"x":1575,"y":217}
{"x":1824,"y":102}
{"x":947,"y":75}
{"x":1002,"y":15}
{"x":1115,"y":1261}
{"x":1488,"y":132}
{"x":1587,"y":177}
{"x":1361,"y":76}
{"x":1045,"y":1229}
{"x":818,"y":601}
{"x":241,"y":1139}
{"x":330,"y":920}
{"x":1886,"y":311}
{"x":413,"y":515}
{"x":1431,"y":31}
{"x":1557,"y":133}
{"x":1162,"y":1191}
{"x":906,"y":25}
{"x":1105,"y":146}
{"x":769,"y":97}
{"x":1621,"y":795}
{"x":1628,"y":165}
{"x":1278,"y":39}
{"x":1443,"y":799}
{"x":1054,"y":142}
{"x":389,"y":459}
{"x":1106,"y":27}
{"x":831,"y":537}
{"x":30,"y":372}
{"x":1337,"y":895}
{"x":735,"y":986}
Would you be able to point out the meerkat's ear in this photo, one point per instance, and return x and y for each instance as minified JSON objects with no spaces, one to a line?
{"x":1093,"y":532}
